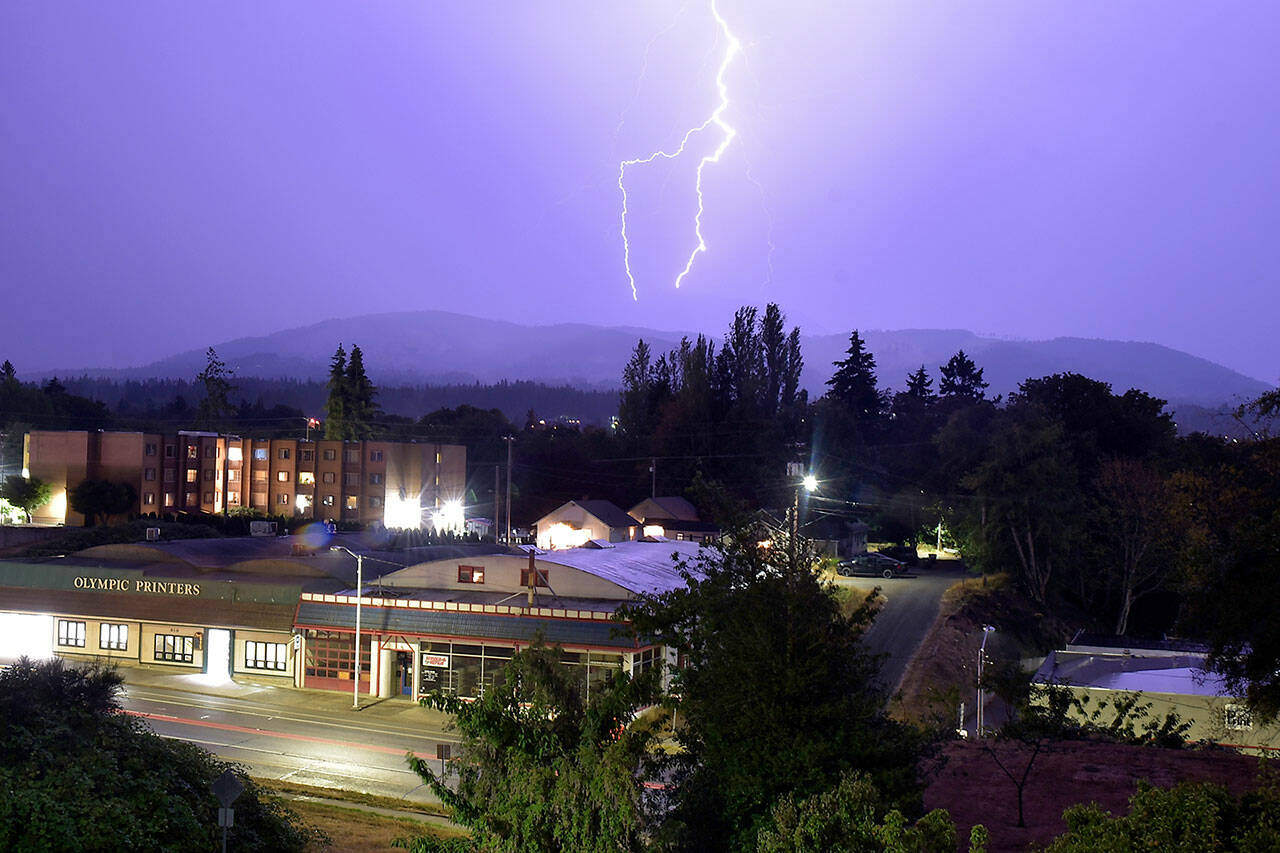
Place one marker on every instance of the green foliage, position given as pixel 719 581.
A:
pixel 774 693
pixel 336 407
pixel 99 500
pixel 541 767
pixel 1058 712
pixel 77 774
pixel 850 818
pixel 1188 817
pixel 26 493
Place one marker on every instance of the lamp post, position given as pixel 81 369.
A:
pixel 987 630
pixel 355 690
pixel 808 483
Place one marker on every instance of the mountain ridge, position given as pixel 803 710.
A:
pixel 439 347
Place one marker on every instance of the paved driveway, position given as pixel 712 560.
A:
pixel 911 606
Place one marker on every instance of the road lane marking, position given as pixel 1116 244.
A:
pixel 227 727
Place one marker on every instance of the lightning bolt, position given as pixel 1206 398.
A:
pixel 716 118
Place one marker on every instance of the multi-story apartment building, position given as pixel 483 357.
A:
pixel 398 484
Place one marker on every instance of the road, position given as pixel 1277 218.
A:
pixel 910 609
pixel 309 742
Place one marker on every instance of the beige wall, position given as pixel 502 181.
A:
pixel 1206 714
pixel 93 639
pixel 241 637
pixel 502 574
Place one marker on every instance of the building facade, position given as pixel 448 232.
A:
pixel 397 484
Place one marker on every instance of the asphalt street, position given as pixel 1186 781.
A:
pixel 306 737
pixel 910 609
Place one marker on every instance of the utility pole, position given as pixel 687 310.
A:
pixel 510 440
pixel 653 476
pixel 497 484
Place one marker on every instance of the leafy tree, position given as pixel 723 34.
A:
pixel 77 774
pixel 1190 817
pixel 216 407
pixel 335 425
pixel 26 493
pixel 962 379
pixel 850 818
pixel 359 407
pixel 775 693
pixel 541 766
pixel 99 500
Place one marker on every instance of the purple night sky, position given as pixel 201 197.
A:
pixel 176 174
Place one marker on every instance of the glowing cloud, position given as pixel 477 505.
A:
pixel 716 118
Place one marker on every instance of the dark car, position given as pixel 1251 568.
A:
pixel 871 565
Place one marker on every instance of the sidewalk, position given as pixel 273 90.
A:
pixel 396 709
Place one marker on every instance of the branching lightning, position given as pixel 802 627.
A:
pixel 716 118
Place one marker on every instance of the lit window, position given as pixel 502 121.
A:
pixel 282 476
pixel 328 500
pixel 260 476
pixel 191 498
pixel 176 648
pixel 470 574
pixel 193 452
pixel 192 475
pixel 284 498
pixel 306 478
pixel 352 502
pixel 233 475
pixel 168 498
pixel 111 636
pixel 265 655
pixel 70 633
pixel 234 454
pixel 260 453
pixel 535 577
pixel 233 497
pixel 149 498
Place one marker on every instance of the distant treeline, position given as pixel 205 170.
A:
pixel 169 399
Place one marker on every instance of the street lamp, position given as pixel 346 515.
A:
pixel 987 630
pixel 355 690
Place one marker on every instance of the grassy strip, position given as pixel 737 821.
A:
pixel 290 789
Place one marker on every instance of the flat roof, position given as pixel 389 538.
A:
pixel 1162 672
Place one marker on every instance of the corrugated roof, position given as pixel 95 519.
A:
pixel 1179 674
pixel 641 567
pixel 524 629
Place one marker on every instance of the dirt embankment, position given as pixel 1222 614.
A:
pixel 973 788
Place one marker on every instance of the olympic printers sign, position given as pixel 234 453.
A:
pixel 136 585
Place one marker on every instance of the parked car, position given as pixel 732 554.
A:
pixel 871 565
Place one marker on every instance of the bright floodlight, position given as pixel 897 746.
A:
pixel 810 483
pixel 450 516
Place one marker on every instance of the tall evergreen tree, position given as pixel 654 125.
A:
pixel 920 386
pixel 853 385
pixel 216 407
pixel 335 410
pixel 962 379
pixel 360 408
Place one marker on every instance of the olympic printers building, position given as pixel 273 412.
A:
pixel 285 611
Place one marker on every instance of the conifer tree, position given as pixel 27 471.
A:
pixel 962 379
pixel 335 409
pixel 360 410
